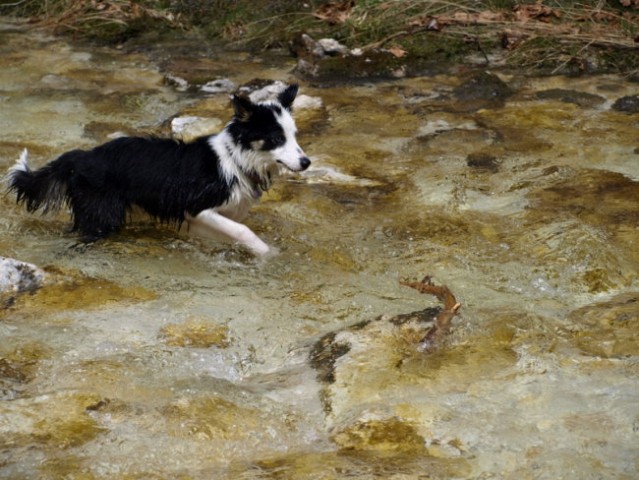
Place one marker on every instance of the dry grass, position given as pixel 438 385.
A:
pixel 108 20
pixel 532 33
pixel 542 34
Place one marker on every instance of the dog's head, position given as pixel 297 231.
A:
pixel 269 128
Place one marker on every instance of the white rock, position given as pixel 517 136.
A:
pixel 189 127
pixel 17 276
pixel 434 127
pixel 180 84
pixel 305 101
pixel 221 85
pixel 333 47
pixel 268 93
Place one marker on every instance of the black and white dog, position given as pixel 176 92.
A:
pixel 209 183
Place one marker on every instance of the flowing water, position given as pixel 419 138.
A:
pixel 155 355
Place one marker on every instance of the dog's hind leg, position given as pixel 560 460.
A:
pixel 209 223
pixel 96 216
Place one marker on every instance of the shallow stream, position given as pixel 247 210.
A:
pixel 153 355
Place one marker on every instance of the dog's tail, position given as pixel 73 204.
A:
pixel 44 189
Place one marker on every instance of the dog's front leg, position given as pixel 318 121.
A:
pixel 209 223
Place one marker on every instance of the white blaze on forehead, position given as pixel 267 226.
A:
pixel 290 154
pixel 285 119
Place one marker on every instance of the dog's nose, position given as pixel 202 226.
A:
pixel 305 162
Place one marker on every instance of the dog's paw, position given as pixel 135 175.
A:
pixel 79 247
pixel 270 253
pixel 255 245
pixel 262 251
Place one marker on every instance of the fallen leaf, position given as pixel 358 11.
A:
pixel 472 18
pixel 335 12
pixel 397 51
pixel 537 11
pixel 490 16
pixel 428 22
pixel 511 39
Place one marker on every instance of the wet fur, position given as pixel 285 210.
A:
pixel 171 180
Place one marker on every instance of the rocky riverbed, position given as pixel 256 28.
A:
pixel 156 355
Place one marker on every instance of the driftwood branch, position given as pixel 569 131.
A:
pixel 444 318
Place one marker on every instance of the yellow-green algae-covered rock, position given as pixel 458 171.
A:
pixel 58 421
pixel 195 333
pixel 389 434
pixel 610 328
pixel 353 463
pixel 584 223
pixel 18 366
pixel 214 418
pixel 73 291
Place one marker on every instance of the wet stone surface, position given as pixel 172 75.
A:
pixel 628 104
pixel 19 277
pixel 583 99
pixel 156 355
pixel 482 90
pixel 608 329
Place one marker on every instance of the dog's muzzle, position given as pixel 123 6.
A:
pixel 299 166
pixel 304 163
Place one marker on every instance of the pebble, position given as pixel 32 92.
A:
pixel 18 277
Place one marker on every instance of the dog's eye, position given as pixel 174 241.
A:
pixel 278 139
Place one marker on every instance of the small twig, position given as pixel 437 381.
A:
pixel 563 64
pixel 474 40
pixel 444 318
pixel 15 4
pixel 379 43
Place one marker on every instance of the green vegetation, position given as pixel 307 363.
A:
pixel 553 34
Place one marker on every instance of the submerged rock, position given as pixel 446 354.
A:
pixel 390 434
pixel 196 333
pixel 608 329
pixel 73 291
pixel 482 90
pixel 386 338
pixel 368 361
pixel 186 71
pixel 583 99
pixel 19 366
pixel 482 161
pixel 356 463
pixel 60 420
pixel 371 352
pixel 628 104
pixel 594 213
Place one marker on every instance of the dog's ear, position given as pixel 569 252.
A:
pixel 287 96
pixel 243 107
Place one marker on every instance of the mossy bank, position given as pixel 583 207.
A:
pixel 546 37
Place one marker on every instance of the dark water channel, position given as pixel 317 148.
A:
pixel 153 355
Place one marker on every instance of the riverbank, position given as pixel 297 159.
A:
pixel 550 37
